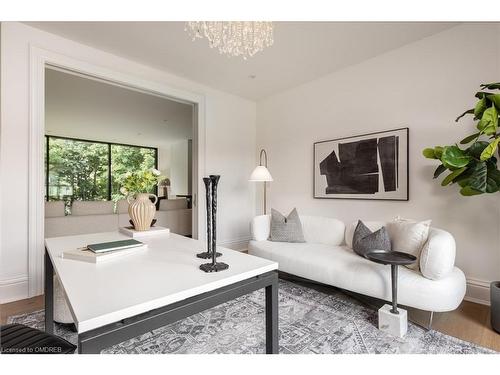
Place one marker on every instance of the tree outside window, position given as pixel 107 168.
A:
pixel 88 171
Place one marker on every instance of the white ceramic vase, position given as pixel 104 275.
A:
pixel 141 210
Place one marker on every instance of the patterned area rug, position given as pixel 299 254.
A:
pixel 309 322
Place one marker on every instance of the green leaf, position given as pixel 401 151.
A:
pixel 454 158
pixel 470 138
pixel 478 179
pixel 439 170
pixel 449 179
pixel 433 153
pixel 495 99
pixel 480 107
pixel 476 149
pixel 470 111
pixel 463 181
pixel 438 151
pixel 490 150
pixel 468 191
pixel 429 153
pixel 482 94
pixel 493 183
pixel 491 86
pixel 489 122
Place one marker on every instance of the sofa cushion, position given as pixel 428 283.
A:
pixel 409 236
pixel 340 267
pixel 325 230
pixel 54 209
pixel 364 240
pixel 80 208
pixel 173 204
pixel 121 206
pixel 73 224
pixel 286 229
pixel 316 229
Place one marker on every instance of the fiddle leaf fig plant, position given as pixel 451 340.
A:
pixel 473 165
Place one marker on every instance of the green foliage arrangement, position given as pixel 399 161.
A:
pixel 140 181
pixel 474 167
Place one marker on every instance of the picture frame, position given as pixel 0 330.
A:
pixel 372 166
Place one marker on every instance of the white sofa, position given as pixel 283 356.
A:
pixel 101 216
pixel 327 257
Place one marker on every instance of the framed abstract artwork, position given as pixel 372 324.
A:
pixel 370 166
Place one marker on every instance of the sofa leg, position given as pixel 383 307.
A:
pixel 429 327
pixel 423 325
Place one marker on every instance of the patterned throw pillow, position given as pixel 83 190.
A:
pixel 364 240
pixel 286 229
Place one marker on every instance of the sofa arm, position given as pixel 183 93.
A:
pixel 438 255
pixel 260 227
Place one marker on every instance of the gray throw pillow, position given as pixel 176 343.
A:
pixel 286 229
pixel 364 240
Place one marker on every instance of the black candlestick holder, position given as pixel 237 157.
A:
pixel 214 266
pixel 208 254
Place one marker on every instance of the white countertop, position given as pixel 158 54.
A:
pixel 167 272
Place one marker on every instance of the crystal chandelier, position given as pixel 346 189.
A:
pixel 241 38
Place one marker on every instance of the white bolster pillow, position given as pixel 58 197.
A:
pixel 260 227
pixel 438 255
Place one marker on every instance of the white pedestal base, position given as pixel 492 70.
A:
pixel 153 231
pixel 394 324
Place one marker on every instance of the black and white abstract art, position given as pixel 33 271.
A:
pixel 371 166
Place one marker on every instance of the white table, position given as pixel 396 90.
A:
pixel 128 296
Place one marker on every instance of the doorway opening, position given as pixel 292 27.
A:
pixel 96 134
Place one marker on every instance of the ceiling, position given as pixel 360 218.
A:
pixel 84 108
pixel 302 51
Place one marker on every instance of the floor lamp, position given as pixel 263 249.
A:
pixel 261 174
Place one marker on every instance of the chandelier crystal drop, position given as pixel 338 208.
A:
pixel 234 38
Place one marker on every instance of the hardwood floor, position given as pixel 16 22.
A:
pixel 470 322
pixel 20 307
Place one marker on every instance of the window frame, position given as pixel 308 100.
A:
pixel 109 144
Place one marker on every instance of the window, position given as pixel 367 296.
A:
pixel 78 169
pixel 127 159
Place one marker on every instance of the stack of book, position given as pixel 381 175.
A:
pixel 96 253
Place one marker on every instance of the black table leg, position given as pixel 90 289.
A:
pixel 272 346
pixel 49 294
pixel 394 280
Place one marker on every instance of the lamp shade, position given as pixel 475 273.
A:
pixel 261 174
pixel 164 183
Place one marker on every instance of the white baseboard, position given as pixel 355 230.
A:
pixel 478 291
pixel 240 244
pixel 13 289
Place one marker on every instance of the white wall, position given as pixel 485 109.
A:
pixel 81 107
pixel 230 131
pixel 423 86
pixel 179 167
pixel 164 160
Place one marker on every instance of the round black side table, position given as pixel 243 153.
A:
pixel 395 259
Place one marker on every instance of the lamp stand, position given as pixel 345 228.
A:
pixel 261 174
pixel 265 198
